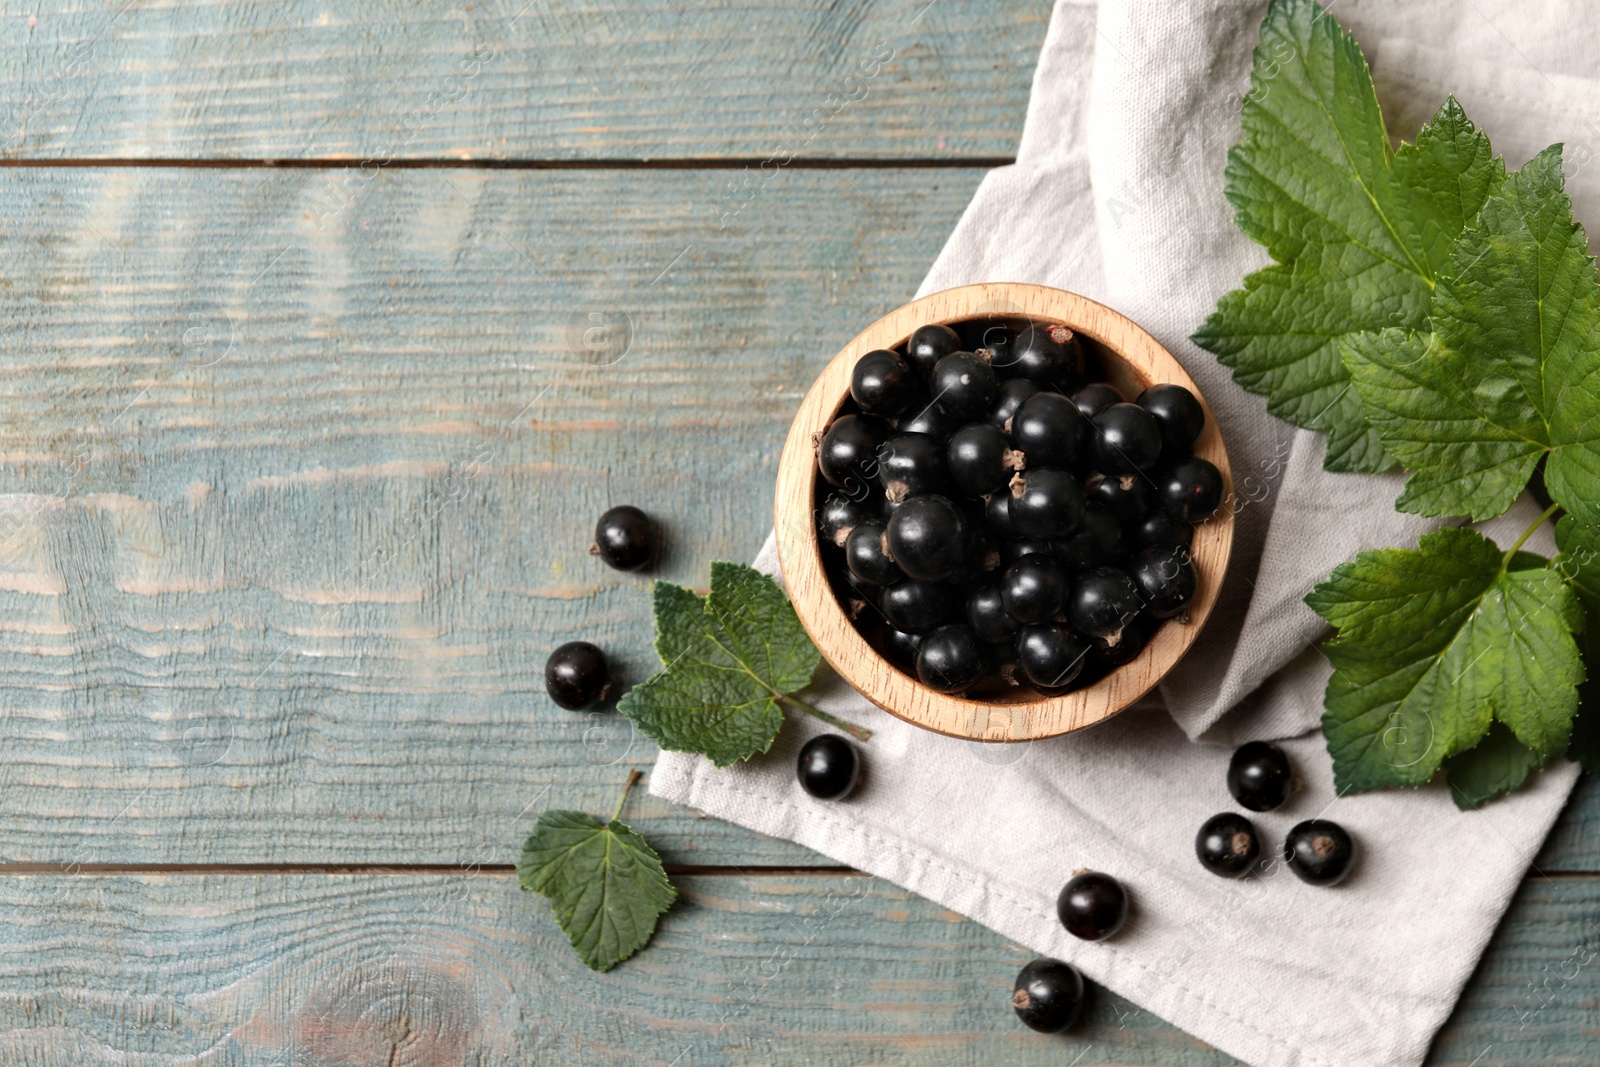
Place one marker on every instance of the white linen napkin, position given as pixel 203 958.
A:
pixel 1117 194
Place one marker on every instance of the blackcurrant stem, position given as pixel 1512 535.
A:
pixel 1505 560
pixel 633 780
pixel 857 732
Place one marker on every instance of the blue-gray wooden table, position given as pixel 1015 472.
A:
pixel 328 330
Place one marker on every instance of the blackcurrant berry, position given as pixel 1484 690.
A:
pixel 984 555
pixel 1095 397
pixel 576 676
pixel 1047 355
pixel 964 385
pixel 1159 528
pixel 1007 397
pixel 1227 845
pixel 882 384
pixel 1048 995
pixel 997 516
pixel 1098 540
pixel 864 555
pixel 928 537
pixel 1046 503
pixel 624 538
pixel 839 515
pixel 1101 602
pixel 910 464
pixel 1319 851
pixel 847 453
pixel 1124 438
pixel 952 659
pixel 856 597
pixel 1178 413
pixel 1051 655
pixel 1033 587
pixel 900 647
pixel 1190 489
pixel 1028 546
pixel 1165 577
pixel 917 607
pixel 1092 906
pixel 987 336
pixel 929 345
pixel 925 417
pixel 980 460
pixel 1046 429
pixel 1260 776
pixel 987 615
pixel 828 767
pixel 1127 495
pixel 1130 642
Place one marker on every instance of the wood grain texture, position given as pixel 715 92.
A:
pixel 517 80
pixel 352 971
pixel 1120 352
pixel 295 498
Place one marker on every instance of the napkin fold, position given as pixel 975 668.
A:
pixel 1116 194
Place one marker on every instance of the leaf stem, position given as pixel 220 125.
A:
pixel 858 732
pixel 1505 561
pixel 633 780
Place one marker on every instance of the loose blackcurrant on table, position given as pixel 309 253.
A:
pixel 828 767
pixel 1319 852
pixel 1260 776
pixel 624 538
pixel 988 521
pixel 1227 845
pixel 576 676
pixel 1048 995
pixel 1092 906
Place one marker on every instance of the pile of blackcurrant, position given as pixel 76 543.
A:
pixel 1261 778
pixel 988 520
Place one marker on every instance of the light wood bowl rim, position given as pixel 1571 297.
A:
pixel 1130 353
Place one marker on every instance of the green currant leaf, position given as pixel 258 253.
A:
pixel 1579 564
pixel 1358 231
pixel 727 659
pixel 1433 645
pixel 1491 768
pixel 1511 369
pixel 605 884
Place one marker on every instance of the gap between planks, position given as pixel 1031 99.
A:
pixel 445 163
pixel 398 869
pixel 686 870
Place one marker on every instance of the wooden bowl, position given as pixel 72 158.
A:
pixel 1125 355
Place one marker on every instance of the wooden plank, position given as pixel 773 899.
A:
pixel 295 491
pixel 464 968
pixel 519 80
